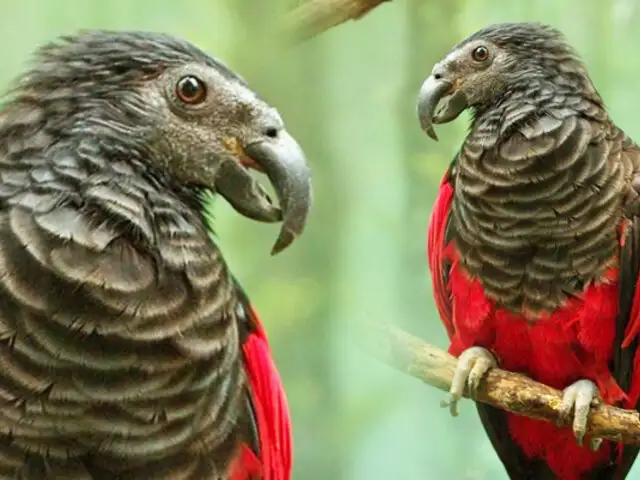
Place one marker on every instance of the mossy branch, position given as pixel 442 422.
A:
pixel 505 390
pixel 313 17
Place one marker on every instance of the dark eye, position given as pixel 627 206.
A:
pixel 191 90
pixel 480 54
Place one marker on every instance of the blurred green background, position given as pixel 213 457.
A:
pixel 348 96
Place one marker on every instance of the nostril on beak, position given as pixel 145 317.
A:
pixel 440 72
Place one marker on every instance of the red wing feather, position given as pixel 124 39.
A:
pixel 436 243
pixel 270 404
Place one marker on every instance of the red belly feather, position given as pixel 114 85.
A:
pixel 573 343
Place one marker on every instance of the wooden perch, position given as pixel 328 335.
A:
pixel 315 16
pixel 505 390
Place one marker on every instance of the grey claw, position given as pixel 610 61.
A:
pixel 577 399
pixel 473 364
pixel 594 444
pixel 451 403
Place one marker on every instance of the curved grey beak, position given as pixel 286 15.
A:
pixel 285 164
pixel 433 90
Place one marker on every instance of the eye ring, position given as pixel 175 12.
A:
pixel 191 90
pixel 480 54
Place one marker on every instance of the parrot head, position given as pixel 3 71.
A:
pixel 496 63
pixel 180 112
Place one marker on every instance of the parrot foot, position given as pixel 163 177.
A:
pixel 472 366
pixel 578 398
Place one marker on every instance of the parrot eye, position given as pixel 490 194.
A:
pixel 191 90
pixel 480 54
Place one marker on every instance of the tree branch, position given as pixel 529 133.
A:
pixel 505 390
pixel 315 16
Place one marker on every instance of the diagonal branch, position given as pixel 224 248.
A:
pixel 315 16
pixel 505 390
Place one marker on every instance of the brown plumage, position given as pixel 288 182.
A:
pixel 121 326
pixel 534 242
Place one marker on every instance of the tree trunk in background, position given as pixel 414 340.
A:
pixel 362 67
pixel 598 23
pixel 431 30
pixel 312 338
pixel 625 70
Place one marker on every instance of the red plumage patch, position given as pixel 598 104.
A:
pixel 435 252
pixel 246 465
pixel 633 328
pixel 272 414
pixel 574 342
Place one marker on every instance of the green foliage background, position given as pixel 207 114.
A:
pixel 348 96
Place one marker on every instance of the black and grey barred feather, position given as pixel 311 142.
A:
pixel 517 220
pixel 543 164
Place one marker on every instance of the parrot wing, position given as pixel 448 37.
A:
pixel 437 241
pixel 269 454
pixel 626 360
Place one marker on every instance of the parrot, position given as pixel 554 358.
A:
pixel 128 349
pixel 534 244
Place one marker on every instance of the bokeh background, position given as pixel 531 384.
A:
pixel 348 96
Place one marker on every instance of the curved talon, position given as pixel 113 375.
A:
pixel 473 364
pixel 577 399
pixel 594 444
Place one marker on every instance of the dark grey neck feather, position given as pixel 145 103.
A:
pixel 538 196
